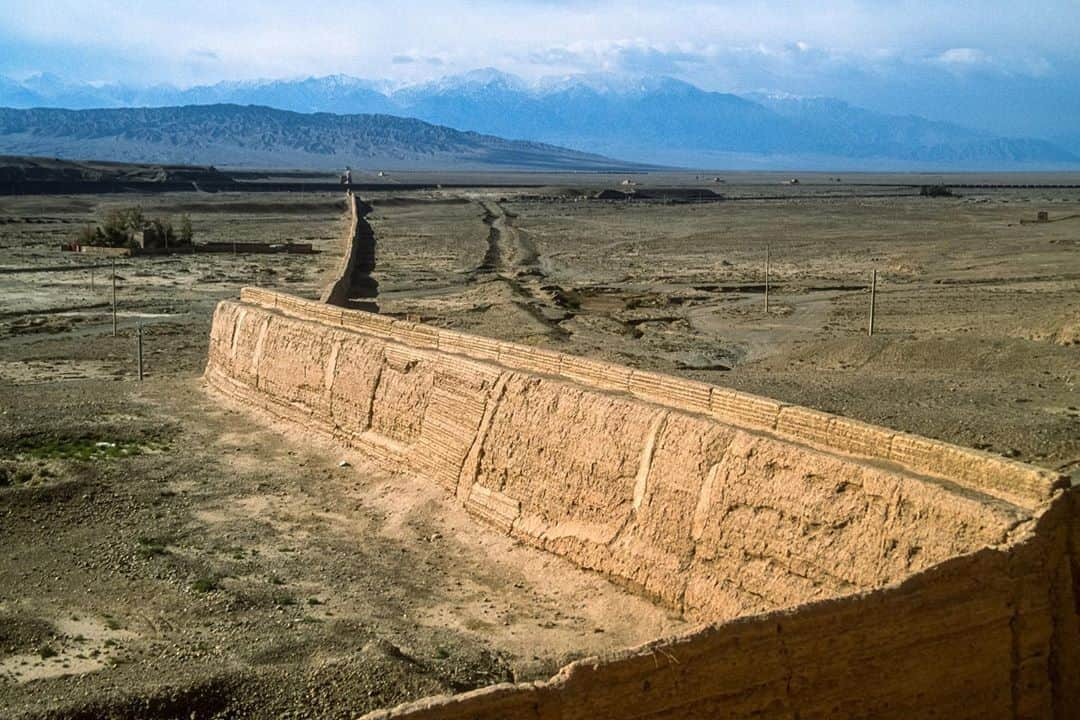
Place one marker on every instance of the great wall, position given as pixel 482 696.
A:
pixel 838 569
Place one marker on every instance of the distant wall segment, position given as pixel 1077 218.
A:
pixel 847 570
pixel 353 284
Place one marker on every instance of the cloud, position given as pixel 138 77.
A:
pixel 415 60
pixel 558 56
pixel 882 52
pixel 963 56
pixel 254 38
pixel 203 55
pixel 649 60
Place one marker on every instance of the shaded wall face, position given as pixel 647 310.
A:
pixel 710 519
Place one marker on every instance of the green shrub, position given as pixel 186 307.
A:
pixel 151 546
pixel 204 585
pixel 119 227
pixel 115 229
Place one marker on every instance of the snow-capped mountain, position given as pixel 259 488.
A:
pixel 644 119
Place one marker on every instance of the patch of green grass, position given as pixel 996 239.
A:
pixel 37 448
pixel 112 624
pixel 204 585
pixel 314 601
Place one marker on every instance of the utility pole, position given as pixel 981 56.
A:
pixel 140 352
pixel 768 254
pixel 873 300
pixel 114 298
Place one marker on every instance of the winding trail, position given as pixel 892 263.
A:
pixel 512 258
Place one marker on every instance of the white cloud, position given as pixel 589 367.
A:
pixel 963 56
pixel 171 40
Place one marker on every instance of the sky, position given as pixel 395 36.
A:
pixel 1008 67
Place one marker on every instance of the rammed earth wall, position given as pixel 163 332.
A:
pixel 844 570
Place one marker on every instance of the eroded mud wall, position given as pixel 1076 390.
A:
pixel 717 503
pixel 354 285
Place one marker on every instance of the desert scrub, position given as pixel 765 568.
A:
pixel 152 546
pixel 204 585
pixel 282 599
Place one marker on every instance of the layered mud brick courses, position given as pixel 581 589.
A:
pixel 843 570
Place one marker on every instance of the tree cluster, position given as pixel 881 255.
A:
pixel 120 225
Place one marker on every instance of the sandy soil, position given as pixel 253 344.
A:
pixel 166 556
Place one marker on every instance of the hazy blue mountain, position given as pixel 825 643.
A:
pixel 836 128
pixel 1069 142
pixel 653 120
pixel 335 94
pixel 640 121
pixel 663 120
pixel 257 136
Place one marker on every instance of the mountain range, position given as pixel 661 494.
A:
pixel 257 136
pixel 655 120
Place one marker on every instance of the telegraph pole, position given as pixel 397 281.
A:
pixel 767 263
pixel 114 298
pixel 873 300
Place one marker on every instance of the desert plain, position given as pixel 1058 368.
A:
pixel 167 555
